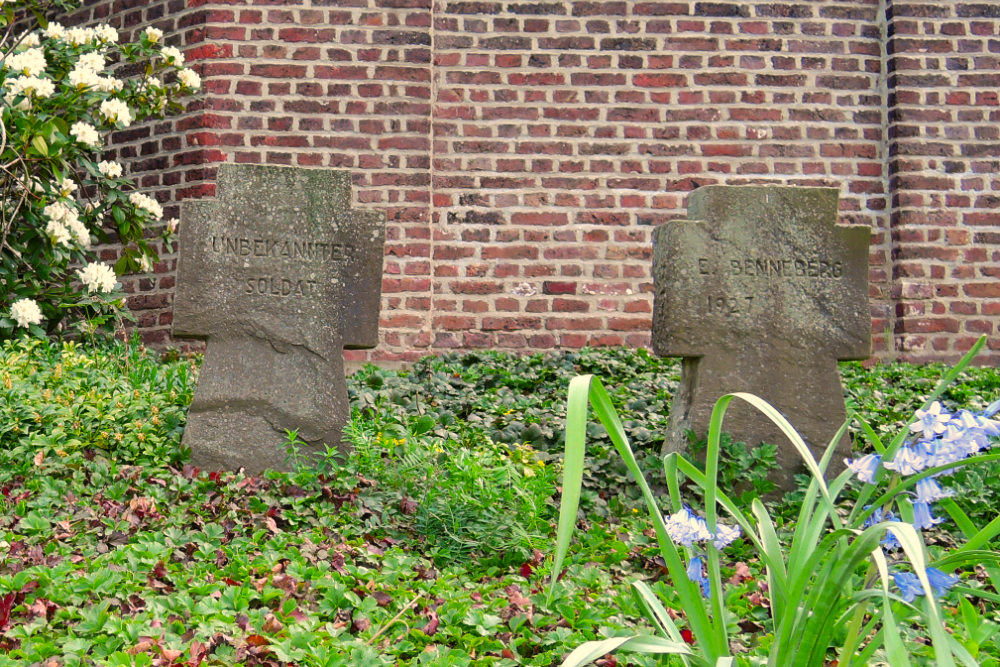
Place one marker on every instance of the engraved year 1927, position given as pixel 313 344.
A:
pixel 728 305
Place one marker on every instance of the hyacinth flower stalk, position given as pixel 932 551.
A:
pixel 824 604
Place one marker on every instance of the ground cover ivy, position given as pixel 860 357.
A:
pixel 428 545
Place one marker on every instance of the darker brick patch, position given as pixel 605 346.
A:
pixel 723 9
pixel 560 288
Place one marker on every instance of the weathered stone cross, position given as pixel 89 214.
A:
pixel 279 274
pixel 761 291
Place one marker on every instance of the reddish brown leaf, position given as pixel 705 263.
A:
pixel 142 646
pixel 337 562
pixel 432 626
pixel 408 506
pixel 741 574
pixel 6 604
pixel 198 653
pixel 257 640
pixel 272 624
pixel 170 654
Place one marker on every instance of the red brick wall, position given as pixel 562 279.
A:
pixel 944 162
pixel 523 150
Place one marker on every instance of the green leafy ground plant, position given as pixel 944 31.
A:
pixel 824 604
pixel 119 552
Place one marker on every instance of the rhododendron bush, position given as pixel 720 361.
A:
pixel 60 99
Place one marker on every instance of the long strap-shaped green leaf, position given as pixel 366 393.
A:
pixel 590 651
pixel 586 390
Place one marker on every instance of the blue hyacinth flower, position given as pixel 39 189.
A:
pixel 908 584
pixel 878 515
pixel 865 467
pixel 940 581
pixel 931 421
pixel 686 528
pixel 922 517
pixel 928 491
pixel 696 574
pixel 908 461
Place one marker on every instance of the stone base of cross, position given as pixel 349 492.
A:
pixel 760 291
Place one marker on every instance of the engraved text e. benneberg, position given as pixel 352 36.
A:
pixel 769 267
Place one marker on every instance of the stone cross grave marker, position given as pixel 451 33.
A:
pixel 279 275
pixel 761 291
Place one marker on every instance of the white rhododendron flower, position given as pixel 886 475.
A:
pixel 145 265
pixel 106 33
pixel 172 225
pixel 64 224
pixel 30 85
pixel 30 40
pixel 154 34
pixel 83 77
pixel 26 312
pixel 146 203
pixel 54 30
pixel 30 62
pixel 80 36
pixel 173 55
pixel 189 78
pixel 116 111
pixel 92 60
pixel 58 232
pixel 59 212
pixel 110 169
pixel 85 133
pixel 98 277
pixel 109 84
pixel 66 187
pixel 80 231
